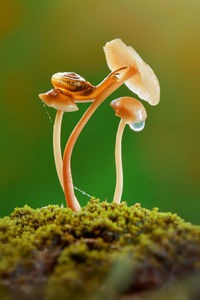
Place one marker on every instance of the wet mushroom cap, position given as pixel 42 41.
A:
pixel 144 82
pixel 129 109
pixel 59 100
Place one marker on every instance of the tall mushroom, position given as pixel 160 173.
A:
pixel 144 83
pixel 133 113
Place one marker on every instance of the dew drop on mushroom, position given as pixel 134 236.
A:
pixel 137 126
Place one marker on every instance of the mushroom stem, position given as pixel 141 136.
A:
pixel 56 146
pixel 71 200
pixel 118 162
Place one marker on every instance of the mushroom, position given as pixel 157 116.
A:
pixel 59 100
pixel 62 102
pixel 133 113
pixel 144 82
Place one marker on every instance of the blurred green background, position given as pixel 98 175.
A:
pixel 161 164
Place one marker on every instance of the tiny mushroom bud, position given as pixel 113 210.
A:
pixel 133 113
pixel 144 82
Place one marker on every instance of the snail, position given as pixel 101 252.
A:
pixel 71 83
pixel 80 89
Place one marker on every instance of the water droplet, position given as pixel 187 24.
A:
pixel 137 126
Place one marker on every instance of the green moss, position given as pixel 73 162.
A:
pixel 61 254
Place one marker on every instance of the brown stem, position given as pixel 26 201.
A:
pixel 72 202
pixel 118 162
pixel 56 146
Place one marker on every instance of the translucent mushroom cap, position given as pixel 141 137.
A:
pixel 131 111
pixel 59 100
pixel 144 82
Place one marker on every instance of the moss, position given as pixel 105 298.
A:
pixel 54 253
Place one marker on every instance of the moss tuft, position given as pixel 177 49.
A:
pixel 54 253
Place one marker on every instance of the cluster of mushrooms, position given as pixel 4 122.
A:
pixel 69 88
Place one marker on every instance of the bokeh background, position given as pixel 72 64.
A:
pixel 161 164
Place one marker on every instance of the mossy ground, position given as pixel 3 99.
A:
pixel 102 251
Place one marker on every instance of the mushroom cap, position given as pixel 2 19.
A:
pixel 59 100
pixel 144 82
pixel 129 109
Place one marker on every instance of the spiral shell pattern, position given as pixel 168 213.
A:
pixel 72 83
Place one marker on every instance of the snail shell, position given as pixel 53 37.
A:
pixel 72 83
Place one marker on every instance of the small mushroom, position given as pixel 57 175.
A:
pixel 133 113
pixel 144 82
pixel 62 102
